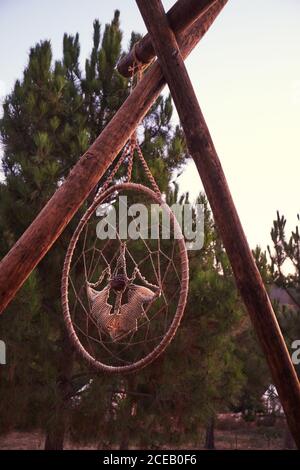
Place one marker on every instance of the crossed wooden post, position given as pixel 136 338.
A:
pixel 171 37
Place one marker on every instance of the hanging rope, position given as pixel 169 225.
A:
pixel 132 144
pixel 116 321
pixel 133 141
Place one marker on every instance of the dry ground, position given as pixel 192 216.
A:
pixel 235 436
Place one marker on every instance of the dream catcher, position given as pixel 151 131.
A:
pixel 125 276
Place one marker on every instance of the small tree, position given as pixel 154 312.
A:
pixel 286 255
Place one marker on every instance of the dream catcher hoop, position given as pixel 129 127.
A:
pixel 123 295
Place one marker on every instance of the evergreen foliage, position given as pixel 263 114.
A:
pixel 285 268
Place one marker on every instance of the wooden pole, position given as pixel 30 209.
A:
pixel 181 16
pixel 49 224
pixel 202 149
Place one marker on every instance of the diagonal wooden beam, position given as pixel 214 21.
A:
pixel 246 274
pixel 181 17
pixel 51 221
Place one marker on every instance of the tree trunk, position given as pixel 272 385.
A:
pixel 288 441
pixel 124 442
pixel 55 435
pixel 128 416
pixel 210 435
pixel 58 421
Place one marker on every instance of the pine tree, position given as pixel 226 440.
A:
pixel 170 401
pixel 256 371
pixel 254 366
pixel 49 119
pixel 41 144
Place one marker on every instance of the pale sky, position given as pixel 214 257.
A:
pixel 246 73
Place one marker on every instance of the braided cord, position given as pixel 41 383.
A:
pixel 132 144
